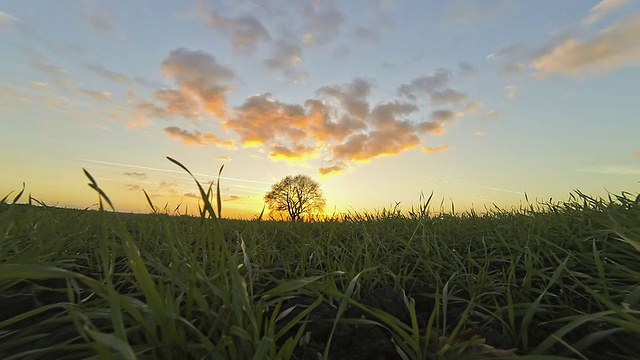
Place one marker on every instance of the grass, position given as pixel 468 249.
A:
pixel 550 280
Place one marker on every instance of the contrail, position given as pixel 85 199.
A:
pixel 170 171
pixel 479 186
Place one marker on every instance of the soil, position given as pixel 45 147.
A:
pixel 371 341
pixel 349 341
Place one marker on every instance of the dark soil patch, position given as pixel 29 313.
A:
pixel 367 341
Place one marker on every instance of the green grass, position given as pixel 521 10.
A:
pixel 556 280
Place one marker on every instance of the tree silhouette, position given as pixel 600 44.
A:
pixel 296 195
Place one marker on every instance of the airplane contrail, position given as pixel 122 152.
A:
pixel 170 171
pixel 478 186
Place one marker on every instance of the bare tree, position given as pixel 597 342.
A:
pixel 297 195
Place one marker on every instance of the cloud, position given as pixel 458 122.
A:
pixel 467 68
pixel 196 137
pixel 343 124
pixel 177 102
pixel 437 119
pixel 447 96
pixel 104 21
pixel 245 31
pixel 133 187
pixel 138 174
pixel 323 22
pixel 512 59
pixel 636 153
pixel 514 50
pixel 473 106
pixel 613 169
pixel 612 48
pixel 199 75
pixel 261 120
pixel 429 150
pixel 39 84
pixel 366 34
pixel 6 19
pixel 96 94
pixel 491 113
pixel 49 69
pixel 191 195
pixel 223 158
pixel 390 135
pixel 425 84
pixel 352 97
pixel 109 74
pixel 327 124
pixel 285 59
pixel 165 184
pixel 479 133
pixel 511 91
pixel 297 152
pixel 434 86
pixel 232 198
pixel 143 113
pixel 337 168
pixel 603 8
pixel 470 12
pixel 364 147
pixel 11 94
pixel 341 52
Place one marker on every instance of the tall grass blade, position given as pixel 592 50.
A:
pixel 101 194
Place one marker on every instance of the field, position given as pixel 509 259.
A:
pixel 548 281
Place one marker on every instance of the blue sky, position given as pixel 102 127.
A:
pixel 380 101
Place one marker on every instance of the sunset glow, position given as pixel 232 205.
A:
pixel 379 101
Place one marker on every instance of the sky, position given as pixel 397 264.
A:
pixel 379 101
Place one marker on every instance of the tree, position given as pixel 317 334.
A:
pixel 296 195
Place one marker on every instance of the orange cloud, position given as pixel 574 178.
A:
pixel 198 74
pixel 196 137
pixel 612 48
pixel 261 120
pixel 137 122
pixel 177 102
pixel 298 152
pixel 636 153
pixel 390 135
pixel 142 114
pixel 429 150
pixel 322 124
pixel 338 168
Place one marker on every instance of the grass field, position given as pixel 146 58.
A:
pixel 544 282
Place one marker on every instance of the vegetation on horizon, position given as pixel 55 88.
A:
pixel 552 281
